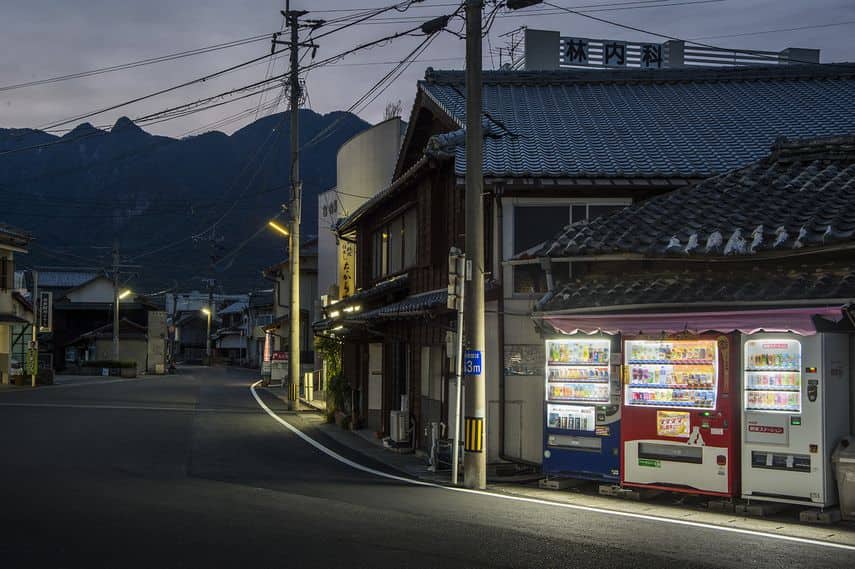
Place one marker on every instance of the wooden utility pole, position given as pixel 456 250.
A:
pixel 116 300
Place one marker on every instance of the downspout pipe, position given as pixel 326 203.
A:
pixel 500 309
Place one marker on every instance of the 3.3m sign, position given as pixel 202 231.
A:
pixel 472 362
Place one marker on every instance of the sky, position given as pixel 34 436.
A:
pixel 48 38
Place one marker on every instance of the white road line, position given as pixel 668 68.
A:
pixel 75 384
pixel 680 522
pixel 121 407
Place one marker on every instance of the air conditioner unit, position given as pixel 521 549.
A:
pixel 399 426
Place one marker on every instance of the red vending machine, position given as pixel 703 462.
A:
pixel 680 425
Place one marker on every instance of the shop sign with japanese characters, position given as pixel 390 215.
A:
pixel 609 53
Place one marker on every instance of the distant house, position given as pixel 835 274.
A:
pixel 97 344
pixel 259 313
pixel 83 303
pixel 15 312
pixel 229 340
pixel 188 325
pixel 279 329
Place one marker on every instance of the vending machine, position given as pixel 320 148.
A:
pixel 679 428
pixel 795 410
pixel 582 408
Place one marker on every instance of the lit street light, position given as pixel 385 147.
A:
pixel 124 294
pixel 278 228
pixel 207 312
pixel 294 301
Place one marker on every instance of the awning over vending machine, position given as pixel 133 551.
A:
pixel 798 320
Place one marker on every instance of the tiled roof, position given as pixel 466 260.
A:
pixel 127 329
pixel 17 237
pixel 65 279
pixel 816 283
pixel 233 308
pixel 414 305
pixel 677 123
pixel 801 196
pixel 394 284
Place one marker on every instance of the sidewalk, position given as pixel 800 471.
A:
pixel 72 380
pixel 585 494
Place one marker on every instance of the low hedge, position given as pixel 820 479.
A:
pixel 109 364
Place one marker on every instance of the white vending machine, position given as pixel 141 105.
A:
pixel 795 409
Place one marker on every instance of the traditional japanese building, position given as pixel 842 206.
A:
pixel 765 247
pixel 16 314
pixel 560 147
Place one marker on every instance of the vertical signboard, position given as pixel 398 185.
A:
pixel 346 268
pixel 45 311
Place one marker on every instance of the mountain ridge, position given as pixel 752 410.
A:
pixel 198 198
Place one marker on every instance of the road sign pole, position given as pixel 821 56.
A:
pixel 460 262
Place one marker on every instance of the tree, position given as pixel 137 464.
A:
pixel 393 110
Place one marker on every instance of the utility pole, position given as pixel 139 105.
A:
pixel 292 21
pixel 293 17
pixel 475 457
pixel 211 283
pixel 116 300
pixel 34 345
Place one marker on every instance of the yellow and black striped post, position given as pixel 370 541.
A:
pixel 474 428
pixel 293 391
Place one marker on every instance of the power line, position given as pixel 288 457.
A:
pixel 756 53
pixel 137 63
pixel 311 66
pixel 777 30
pixel 161 91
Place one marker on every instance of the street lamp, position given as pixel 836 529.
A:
pixel 124 294
pixel 294 302
pixel 207 312
pixel 278 228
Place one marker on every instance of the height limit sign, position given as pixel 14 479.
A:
pixel 472 362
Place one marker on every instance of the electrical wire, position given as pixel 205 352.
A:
pixel 756 53
pixel 777 30
pixel 161 91
pixel 137 63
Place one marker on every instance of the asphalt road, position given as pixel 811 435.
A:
pixel 188 471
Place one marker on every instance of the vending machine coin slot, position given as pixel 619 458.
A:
pixel 796 421
pixel 813 389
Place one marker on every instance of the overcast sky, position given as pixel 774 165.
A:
pixel 45 38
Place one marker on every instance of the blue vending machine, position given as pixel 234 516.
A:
pixel 582 408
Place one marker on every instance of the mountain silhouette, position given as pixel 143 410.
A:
pixel 183 209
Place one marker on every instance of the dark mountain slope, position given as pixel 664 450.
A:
pixel 200 197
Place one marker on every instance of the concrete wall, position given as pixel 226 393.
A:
pixel 365 163
pixel 99 290
pixel 328 213
pixel 364 166
pixel 156 339
pixel 129 350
